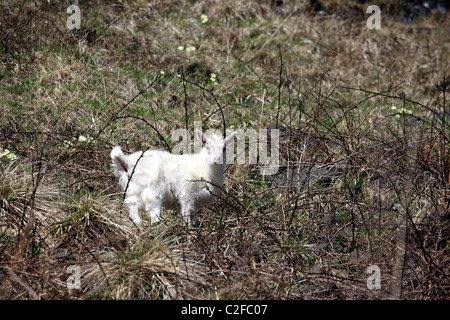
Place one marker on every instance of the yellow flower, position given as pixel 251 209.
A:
pixel 189 49
pixel 180 48
pixel 11 156
pixel 84 139
pixel 404 110
pixel 204 18
pixel 8 154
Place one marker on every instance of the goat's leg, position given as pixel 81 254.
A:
pixel 187 211
pixel 134 212
pixel 153 203
pixel 154 213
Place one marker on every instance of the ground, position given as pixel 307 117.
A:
pixel 364 150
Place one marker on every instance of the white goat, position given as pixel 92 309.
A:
pixel 162 180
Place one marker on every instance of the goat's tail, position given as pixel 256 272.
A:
pixel 120 165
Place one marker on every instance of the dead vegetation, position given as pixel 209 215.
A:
pixel 364 154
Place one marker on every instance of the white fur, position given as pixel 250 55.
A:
pixel 164 180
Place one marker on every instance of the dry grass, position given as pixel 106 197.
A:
pixel 307 233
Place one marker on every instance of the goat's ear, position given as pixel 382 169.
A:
pixel 230 138
pixel 201 136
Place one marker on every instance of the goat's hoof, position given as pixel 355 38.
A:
pixel 155 219
pixel 136 222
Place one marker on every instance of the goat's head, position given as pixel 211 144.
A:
pixel 215 146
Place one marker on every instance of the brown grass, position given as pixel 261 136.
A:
pixel 360 182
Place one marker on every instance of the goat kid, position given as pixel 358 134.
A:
pixel 158 179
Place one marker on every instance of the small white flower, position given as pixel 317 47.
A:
pixel 82 138
pixel 11 156
pixel 8 154
pixel 5 153
pixel 162 72
pixel 67 143
pixel 180 48
pixel 189 49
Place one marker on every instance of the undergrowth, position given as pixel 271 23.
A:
pixel 364 151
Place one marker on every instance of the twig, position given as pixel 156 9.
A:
pixel 402 222
pixel 14 277
pixel 279 85
pixel 185 100
pixel 215 99
pixel 115 117
pixel 150 125
pixel 383 94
